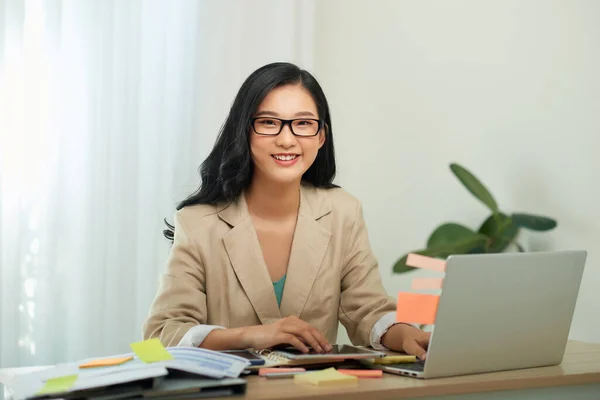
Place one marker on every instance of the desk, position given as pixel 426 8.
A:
pixel 577 377
pixel 579 372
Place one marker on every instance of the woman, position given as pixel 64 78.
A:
pixel 269 251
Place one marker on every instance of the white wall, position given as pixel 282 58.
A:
pixel 510 89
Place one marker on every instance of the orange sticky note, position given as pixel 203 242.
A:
pixel 362 373
pixel 419 261
pixel 427 283
pixel 106 362
pixel 416 308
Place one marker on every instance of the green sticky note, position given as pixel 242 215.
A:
pixel 151 350
pixel 58 385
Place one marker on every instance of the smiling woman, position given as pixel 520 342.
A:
pixel 269 251
pixel 291 143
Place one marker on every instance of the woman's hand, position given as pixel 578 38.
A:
pixel 407 339
pixel 288 330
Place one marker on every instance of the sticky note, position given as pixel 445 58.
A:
pixel 329 376
pixel 58 385
pixel 106 362
pixel 151 350
pixel 266 370
pixel 362 373
pixel 427 283
pixel 395 359
pixel 419 261
pixel 416 308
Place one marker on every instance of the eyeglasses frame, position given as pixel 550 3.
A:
pixel 285 122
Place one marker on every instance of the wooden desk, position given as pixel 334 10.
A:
pixel 577 377
pixel 581 366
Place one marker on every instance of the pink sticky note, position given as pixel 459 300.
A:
pixel 427 283
pixel 415 308
pixel 419 261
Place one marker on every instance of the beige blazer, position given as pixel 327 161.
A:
pixel 216 273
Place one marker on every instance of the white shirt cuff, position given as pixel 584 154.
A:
pixel 381 327
pixel 196 335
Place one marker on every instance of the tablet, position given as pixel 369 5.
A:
pixel 248 355
pixel 337 351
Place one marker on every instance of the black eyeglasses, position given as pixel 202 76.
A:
pixel 271 126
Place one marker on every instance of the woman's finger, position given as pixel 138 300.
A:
pixel 413 348
pixel 423 340
pixel 310 335
pixel 321 339
pixel 303 334
pixel 294 341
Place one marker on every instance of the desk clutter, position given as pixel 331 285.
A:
pixel 152 371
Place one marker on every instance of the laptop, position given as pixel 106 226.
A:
pixel 501 312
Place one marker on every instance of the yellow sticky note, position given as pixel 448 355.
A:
pixel 151 350
pixel 329 376
pixel 106 362
pixel 58 385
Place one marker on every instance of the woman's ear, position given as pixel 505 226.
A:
pixel 323 135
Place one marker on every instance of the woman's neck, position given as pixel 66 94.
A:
pixel 270 200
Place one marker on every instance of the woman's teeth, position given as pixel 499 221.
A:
pixel 285 158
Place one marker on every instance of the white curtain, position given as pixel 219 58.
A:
pixel 106 110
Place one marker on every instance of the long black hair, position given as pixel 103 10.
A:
pixel 228 169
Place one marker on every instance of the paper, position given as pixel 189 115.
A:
pixel 58 385
pixel 191 360
pixel 106 362
pixel 362 373
pixel 427 283
pixel 419 261
pixel 415 308
pixel 151 350
pixel 266 370
pixel 329 376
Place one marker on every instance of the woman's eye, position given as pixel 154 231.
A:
pixel 267 122
pixel 305 123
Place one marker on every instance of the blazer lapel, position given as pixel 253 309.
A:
pixel 310 243
pixel 243 249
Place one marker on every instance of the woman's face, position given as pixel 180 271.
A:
pixel 285 157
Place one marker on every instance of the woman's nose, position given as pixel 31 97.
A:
pixel 286 138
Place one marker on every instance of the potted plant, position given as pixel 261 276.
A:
pixel 495 234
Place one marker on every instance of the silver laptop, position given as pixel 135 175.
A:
pixel 500 312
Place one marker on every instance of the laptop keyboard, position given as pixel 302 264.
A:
pixel 417 366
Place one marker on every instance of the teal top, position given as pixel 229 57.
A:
pixel 278 286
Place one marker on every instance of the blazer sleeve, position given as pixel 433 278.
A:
pixel 180 302
pixel 363 298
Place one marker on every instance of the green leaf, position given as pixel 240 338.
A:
pixel 449 233
pixel 461 246
pixel 521 249
pixel 501 229
pixel 534 222
pixel 474 186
